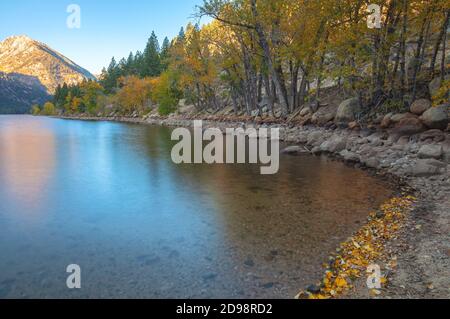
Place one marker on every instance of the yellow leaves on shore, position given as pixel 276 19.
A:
pixel 365 248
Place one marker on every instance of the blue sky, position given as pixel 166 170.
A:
pixel 108 27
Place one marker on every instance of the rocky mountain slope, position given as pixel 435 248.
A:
pixel 18 92
pixel 31 71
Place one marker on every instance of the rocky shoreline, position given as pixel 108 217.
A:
pixel 420 160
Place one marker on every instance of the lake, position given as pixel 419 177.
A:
pixel 107 196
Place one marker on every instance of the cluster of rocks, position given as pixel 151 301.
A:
pixel 420 155
pixel 422 116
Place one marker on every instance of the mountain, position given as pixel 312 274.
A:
pixel 18 92
pixel 30 71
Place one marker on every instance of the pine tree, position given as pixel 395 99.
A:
pixel 152 60
pixel 109 81
pixel 130 64
pixel 181 34
pixel 165 54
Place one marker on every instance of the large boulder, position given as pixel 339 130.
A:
pixel 420 106
pixel 436 117
pixel 408 126
pixel 430 151
pixel 350 157
pixel 334 145
pixel 324 115
pixel 315 138
pixel 348 111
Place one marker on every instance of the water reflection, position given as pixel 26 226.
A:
pixel 27 161
pixel 110 199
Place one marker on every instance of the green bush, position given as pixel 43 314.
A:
pixel 49 109
pixel 167 105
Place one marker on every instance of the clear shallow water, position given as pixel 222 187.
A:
pixel 106 196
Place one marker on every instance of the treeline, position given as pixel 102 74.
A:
pixel 150 63
pixel 273 56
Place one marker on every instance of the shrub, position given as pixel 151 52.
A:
pixel 442 96
pixel 49 109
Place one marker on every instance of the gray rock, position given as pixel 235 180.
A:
pixel 315 138
pixel 334 145
pixel 305 111
pixel 371 162
pixel 294 150
pixel 427 168
pixel 316 150
pixel 446 151
pixel 404 140
pixel 420 106
pixel 436 117
pixel 350 157
pixel 348 111
pixel 447 157
pixel 399 117
pixel 408 126
pixel 324 115
pixel 433 135
pixel 313 289
pixel 430 151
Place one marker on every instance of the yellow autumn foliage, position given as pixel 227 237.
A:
pixel 364 248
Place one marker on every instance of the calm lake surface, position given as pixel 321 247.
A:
pixel 106 196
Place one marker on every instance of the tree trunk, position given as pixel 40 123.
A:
pixel 443 66
pixel 420 52
pixel 294 69
pixel 439 40
pixel 270 97
pixel 403 75
pixel 268 58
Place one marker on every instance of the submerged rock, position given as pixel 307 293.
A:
pixel 294 150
